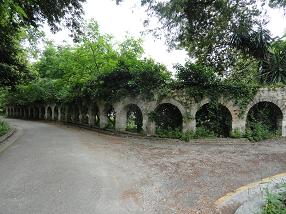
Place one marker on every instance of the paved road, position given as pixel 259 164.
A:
pixel 54 168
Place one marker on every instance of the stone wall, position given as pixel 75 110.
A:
pixel 86 113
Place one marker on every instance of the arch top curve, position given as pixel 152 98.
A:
pixel 229 105
pixel 173 102
pixel 272 100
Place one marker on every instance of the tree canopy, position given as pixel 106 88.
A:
pixel 216 33
pixel 94 68
pixel 20 18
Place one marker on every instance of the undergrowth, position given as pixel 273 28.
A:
pixel 4 127
pixel 275 203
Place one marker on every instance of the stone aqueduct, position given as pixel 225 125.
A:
pixel 87 112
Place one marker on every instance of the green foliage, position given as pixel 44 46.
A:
pixel 95 68
pixel 19 22
pixel 275 203
pixel 259 132
pixel 187 136
pixel 215 118
pixel 200 82
pixel 274 66
pixel 236 133
pixel 4 127
pixel 196 75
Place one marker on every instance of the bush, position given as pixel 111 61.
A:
pixel 178 134
pixel 258 132
pixel 236 134
pixel 275 203
pixel 4 128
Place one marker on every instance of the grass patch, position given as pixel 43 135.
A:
pixel 260 131
pixel 4 128
pixel 275 203
pixel 178 134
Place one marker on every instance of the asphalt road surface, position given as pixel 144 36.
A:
pixel 54 168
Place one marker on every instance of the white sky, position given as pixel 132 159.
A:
pixel 128 17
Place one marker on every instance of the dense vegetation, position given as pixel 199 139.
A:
pixel 275 203
pixel 4 128
pixel 233 55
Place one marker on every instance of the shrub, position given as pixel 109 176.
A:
pixel 236 134
pixel 187 136
pixel 258 132
pixel 275 203
pixel 4 127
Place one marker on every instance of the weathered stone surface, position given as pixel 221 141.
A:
pixel 187 106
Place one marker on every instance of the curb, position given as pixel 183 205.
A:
pixel 7 135
pixel 125 134
pixel 5 140
pixel 236 199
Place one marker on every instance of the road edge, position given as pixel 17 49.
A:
pixel 6 140
pixel 246 192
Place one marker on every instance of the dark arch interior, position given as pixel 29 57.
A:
pixel 134 118
pixel 32 116
pixel 42 112
pixel 84 114
pixel 76 114
pixel 265 114
pixel 49 113
pixel 96 115
pixel 56 113
pixel 214 118
pixel 36 113
pixel 111 116
pixel 168 117
pixel 63 113
pixel 69 113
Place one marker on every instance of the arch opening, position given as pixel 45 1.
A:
pixel 36 113
pixel 84 114
pixel 69 114
pixel 49 113
pixel 56 113
pixel 96 115
pixel 42 112
pixel 111 116
pixel 214 119
pixel 63 113
pixel 31 113
pixel 134 116
pixel 265 118
pixel 76 114
pixel 168 117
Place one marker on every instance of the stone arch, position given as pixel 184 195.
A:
pixel 95 112
pixel 63 112
pixel 49 113
pixel 42 112
pixel 168 116
pixel 69 114
pixel 8 112
pixel 110 114
pixel 56 113
pixel 134 118
pixel 227 104
pixel 36 113
pixel 85 114
pixel 216 119
pixel 273 100
pixel 274 121
pixel 151 125
pixel 129 117
pixel 31 113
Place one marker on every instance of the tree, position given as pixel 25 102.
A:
pixel 17 18
pixel 215 32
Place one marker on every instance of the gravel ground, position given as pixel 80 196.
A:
pixel 55 168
